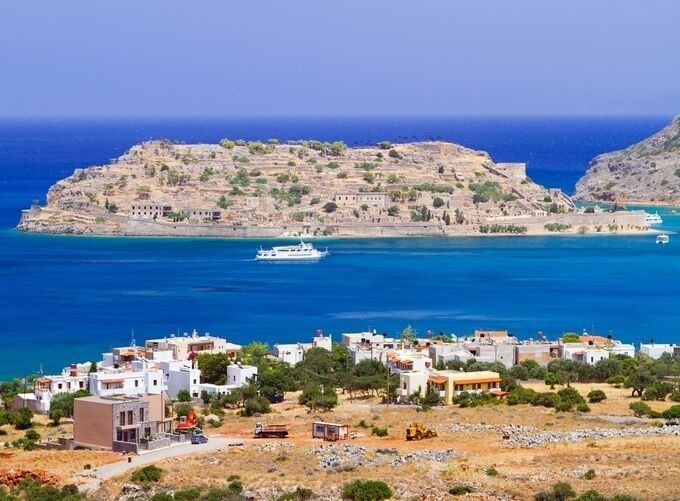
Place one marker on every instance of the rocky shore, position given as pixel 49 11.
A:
pixel 646 173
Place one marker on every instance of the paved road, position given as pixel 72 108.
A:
pixel 214 443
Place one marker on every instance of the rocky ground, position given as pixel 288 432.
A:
pixel 646 172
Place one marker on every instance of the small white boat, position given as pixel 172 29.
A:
pixel 301 252
pixel 662 239
pixel 653 219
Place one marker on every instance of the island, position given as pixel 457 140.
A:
pixel 645 173
pixel 311 188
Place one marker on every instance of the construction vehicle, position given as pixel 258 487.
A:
pixel 187 423
pixel 417 431
pixel 264 430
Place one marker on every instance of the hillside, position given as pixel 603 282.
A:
pixel 646 172
pixel 306 188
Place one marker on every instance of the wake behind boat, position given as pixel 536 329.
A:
pixel 300 252
pixel 653 219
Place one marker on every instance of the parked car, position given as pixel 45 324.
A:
pixel 199 439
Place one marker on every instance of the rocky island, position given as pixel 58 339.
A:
pixel 310 188
pixel 647 172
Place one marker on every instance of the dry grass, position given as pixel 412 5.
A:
pixel 644 467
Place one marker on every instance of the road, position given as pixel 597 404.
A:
pixel 214 444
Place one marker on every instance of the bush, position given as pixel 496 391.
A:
pixel 299 494
pixel 184 396
pixel 151 473
pixel 379 432
pixel 675 396
pixel 366 490
pixel 188 494
pixel 256 405
pixel 591 495
pixel 595 396
pixel 491 472
pixel 672 413
pixel 546 400
pixel 617 380
pixel 640 409
pixel 32 435
pixel 23 419
pixel 583 407
pixel 162 496
pixel 459 490
pixel 589 475
pixel 330 207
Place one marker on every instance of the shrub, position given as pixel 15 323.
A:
pixel 330 207
pixel 640 409
pixel 583 407
pixel 546 399
pixel 437 202
pixel 675 396
pixel 459 490
pixel 617 380
pixel 151 473
pixel 184 396
pixel 299 494
pixel 379 432
pixel 491 471
pixel 23 419
pixel 366 490
pixel 595 396
pixel 32 435
pixel 256 405
pixel 394 154
pixel 672 413
pixel 589 475
pixel 591 495
pixel 188 494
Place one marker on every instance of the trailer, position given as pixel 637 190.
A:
pixel 330 431
pixel 264 430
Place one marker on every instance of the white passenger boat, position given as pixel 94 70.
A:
pixel 653 219
pixel 301 252
pixel 662 239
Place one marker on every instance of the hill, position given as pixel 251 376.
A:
pixel 646 172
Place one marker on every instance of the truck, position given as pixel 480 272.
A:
pixel 264 430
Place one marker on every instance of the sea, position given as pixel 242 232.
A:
pixel 67 299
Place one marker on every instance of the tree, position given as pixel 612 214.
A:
pixel 393 210
pixel 256 405
pixel 330 207
pixel 672 413
pixel 571 337
pixel 408 335
pixel 55 416
pixel 553 379
pixel 255 353
pixel 22 420
pixel 318 397
pixel 184 396
pixel 213 367
pixel 638 382
pixel 437 202
pixel 275 381
pixel 316 367
pixel 93 367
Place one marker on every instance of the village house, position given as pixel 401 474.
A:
pixel 184 346
pixel 238 375
pixel 655 350
pixel 591 349
pixel 121 423
pixel 451 383
pixel 46 387
pixel 293 353
pixel 408 360
pixel 181 375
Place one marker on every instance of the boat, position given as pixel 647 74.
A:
pixel 301 252
pixel 662 239
pixel 652 219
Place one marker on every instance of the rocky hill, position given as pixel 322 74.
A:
pixel 646 172
pixel 304 188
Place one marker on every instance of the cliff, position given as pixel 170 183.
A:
pixel 305 188
pixel 646 172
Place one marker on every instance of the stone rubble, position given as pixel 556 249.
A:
pixel 551 437
pixel 348 456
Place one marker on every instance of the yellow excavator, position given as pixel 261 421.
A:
pixel 417 431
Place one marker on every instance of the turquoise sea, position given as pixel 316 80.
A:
pixel 66 299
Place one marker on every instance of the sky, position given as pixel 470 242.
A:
pixel 82 58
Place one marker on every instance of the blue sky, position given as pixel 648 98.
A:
pixel 317 58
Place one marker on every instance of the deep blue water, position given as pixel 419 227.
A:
pixel 65 299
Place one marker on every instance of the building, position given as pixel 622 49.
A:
pixel 541 353
pixel 293 353
pixel 354 200
pixel 330 431
pixel 408 360
pixel 121 423
pixel 46 387
pixel 410 383
pixel 150 210
pixel 240 375
pixel 584 353
pixel 137 377
pixel 181 375
pixel 451 383
pixel 182 347
pixel 655 351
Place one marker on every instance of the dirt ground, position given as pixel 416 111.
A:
pixel 645 467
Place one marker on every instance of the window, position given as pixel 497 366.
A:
pixel 141 415
pixel 136 383
pixel 155 382
pixel 131 418
pixel 122 418
pixel 194 381
pixel 59 385
pixel 81 384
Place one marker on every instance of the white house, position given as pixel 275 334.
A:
pixel 181 375
pixel 411 382
pixel 290 353
pixel 46 387
pixel 584 353
pixel 655 351
pixel 240 375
